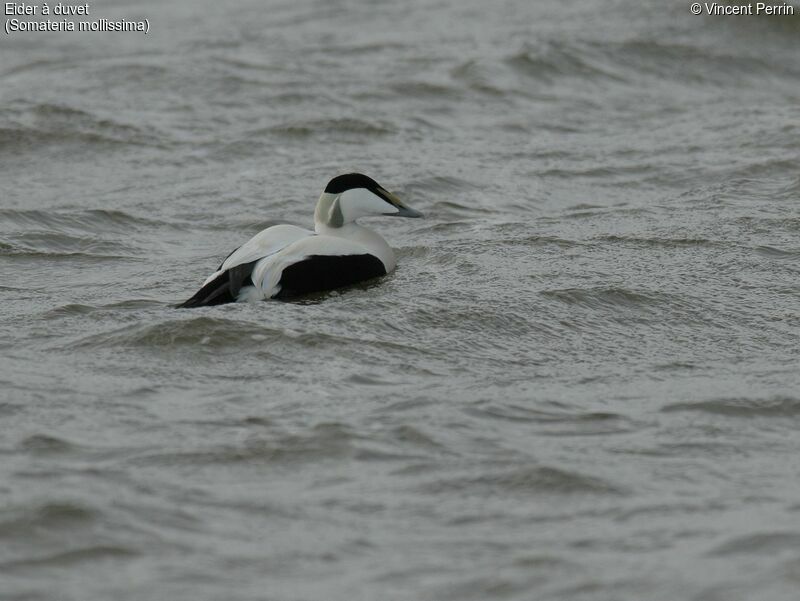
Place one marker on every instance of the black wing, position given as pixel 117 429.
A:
pixel 222 289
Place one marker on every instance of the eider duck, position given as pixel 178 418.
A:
pixel 283 261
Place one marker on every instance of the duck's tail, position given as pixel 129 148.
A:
pixel 222 289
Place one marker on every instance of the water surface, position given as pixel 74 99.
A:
pixel 580 383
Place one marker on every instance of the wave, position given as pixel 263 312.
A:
pixel 423 90
pixel 554 59
pixel 58 515
pixel 56 243
pixel 762 544
pixel 741 407
pixel 206 333
pixel 659 242
pixel 323 441
pixel 518 413
pixel 528 480
pixel 348 128
pixel 97 220
pixel 70 310
pixel 690 63
pixel 477 75
pixel 777 253
pixel 46 444
pixel 613 297
pixel 64 559
pixel 27 126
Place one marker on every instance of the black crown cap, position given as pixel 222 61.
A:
pixel 348 181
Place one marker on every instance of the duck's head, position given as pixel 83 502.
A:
pixel 353 195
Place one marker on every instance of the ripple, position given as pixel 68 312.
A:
pixel 544 241
pixel 57 243
pixel 530 480
pixel 552 60
pixel 248 64
pixel 69 310
pixel 557 420
pixel 777 253
pixel 48 517
pixel 341 128
pixel 36 65
pixel 441 184
pixel 83 257
pixel 656 242
pixel 409 435
pixel 741 407
pixel 7 409
pixel 604 297
pixel 46 124
pixel 760 543
pixel 453 209
pixel 684 62
pixel 46 444
pixel 323 441
pixel 582 372
pixel 91 220
pixel 75 309
pixel 360 49
pixel 92 553
pixel 424 90
pixel 478 77
pixel 209 333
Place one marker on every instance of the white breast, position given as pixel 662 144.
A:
pixel 365 237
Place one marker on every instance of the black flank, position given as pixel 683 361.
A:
pixel 323 272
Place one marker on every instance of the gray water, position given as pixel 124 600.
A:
pixel 581 383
